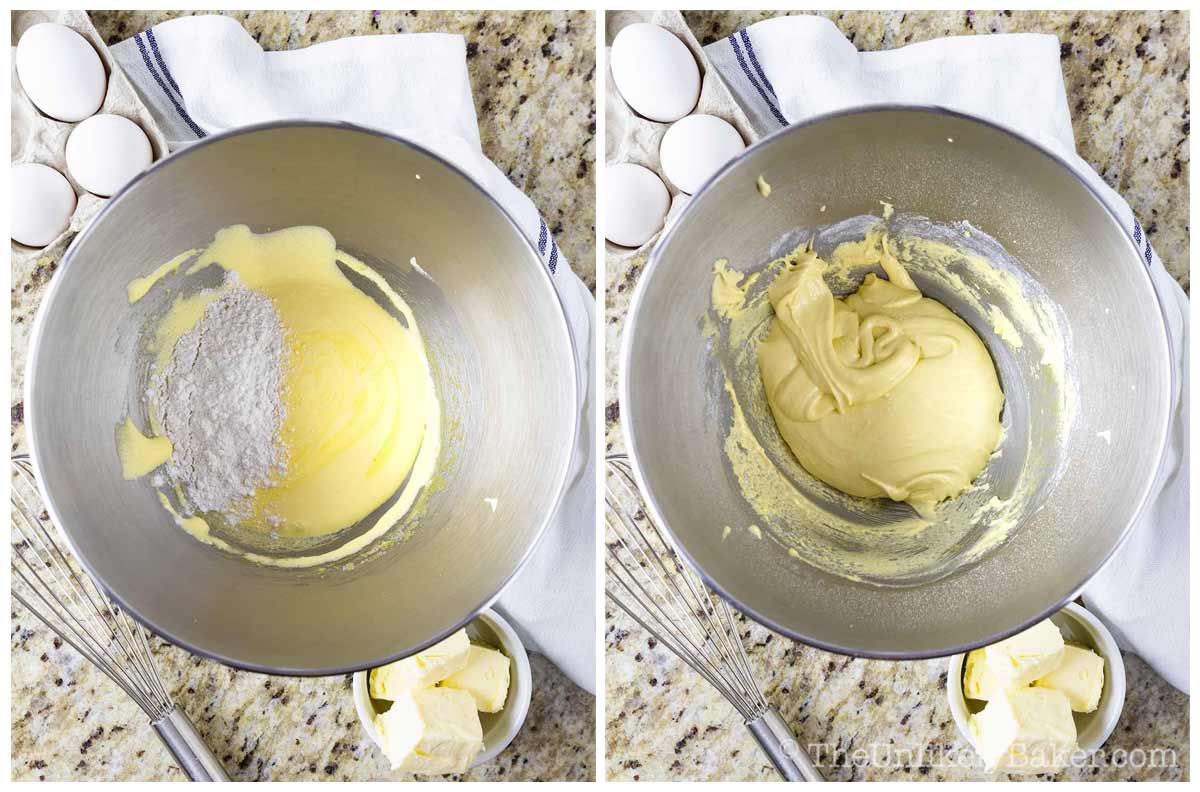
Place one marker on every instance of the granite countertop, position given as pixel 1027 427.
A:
pixel 1127 81
pixel 532 75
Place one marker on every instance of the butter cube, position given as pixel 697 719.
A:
pixel 1080 676
pixel 431 731
pixel 1025 730
pixel 485 678
pixel 979 682
pixel 1030 654
pixel 424 669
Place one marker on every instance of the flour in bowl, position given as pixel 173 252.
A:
pixel 221 403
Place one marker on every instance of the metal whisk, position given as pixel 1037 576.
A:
pixel 662 594
pixel 46 581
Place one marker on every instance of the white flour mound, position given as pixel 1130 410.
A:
pixel 221 403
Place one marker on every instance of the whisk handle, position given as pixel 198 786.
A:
pixel 176 731
pixel 781 747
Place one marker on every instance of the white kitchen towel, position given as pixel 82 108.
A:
pixel 787 69
pixel 205 74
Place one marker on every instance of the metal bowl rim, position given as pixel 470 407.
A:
pixel 627 409
pixel 31 434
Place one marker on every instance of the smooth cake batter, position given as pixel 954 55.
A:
pixel 362 418
pixel 874 538
pixel 883 394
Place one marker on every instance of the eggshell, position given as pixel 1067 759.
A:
pixel 695 148
pixel 41 202
pixel 654 72
pixel 635 204
pixel 105 152
pixel 60 72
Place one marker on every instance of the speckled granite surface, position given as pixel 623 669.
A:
pixel 1129 97
pixel 532 75
pixel 70 723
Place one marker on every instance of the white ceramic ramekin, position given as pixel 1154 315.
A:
pixel 499 728
pixel 1077 626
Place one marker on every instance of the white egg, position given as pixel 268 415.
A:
pixel 655 72
pixel 105 152
pixel 60 72
pixel 635 204
pixel 695 148
pixel 42 202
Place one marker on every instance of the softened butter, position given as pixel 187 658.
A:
pixel 432 731
pixel 485 678
pixel 979 682
pixel 1026 656
pixel 1080 676
pixel 422 670
pixel 1025 730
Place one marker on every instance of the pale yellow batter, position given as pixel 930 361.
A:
pixel 871 539
pixel 140 454
pixel 883 394
pixel 362 415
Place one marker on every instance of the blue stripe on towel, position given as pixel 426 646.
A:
pixel 162 63
pixel 1148 253
pixel 741 59
pixel 166 92
pixel 762 75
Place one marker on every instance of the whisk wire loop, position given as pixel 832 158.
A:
pixel 69 602
pixel 647 580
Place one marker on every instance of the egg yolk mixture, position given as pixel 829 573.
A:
pixel 360 414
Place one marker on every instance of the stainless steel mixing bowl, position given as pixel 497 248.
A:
pixel 498 342
pixel 948 167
